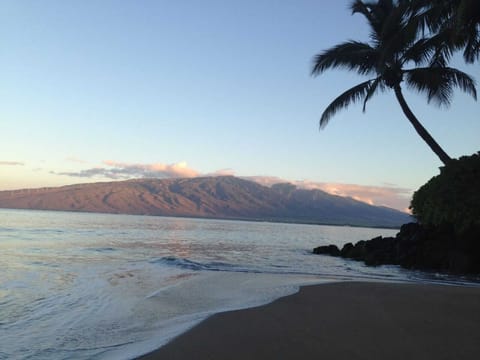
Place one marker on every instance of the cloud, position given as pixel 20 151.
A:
pixel 180 169
pixel 267 180
pixel 11 163
pixel 390 195
pixel 221 172
pixel 121 171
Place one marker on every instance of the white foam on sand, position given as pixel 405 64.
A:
pixel 177 308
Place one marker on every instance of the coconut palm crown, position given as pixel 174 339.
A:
pixel 397 53
pixel 458 21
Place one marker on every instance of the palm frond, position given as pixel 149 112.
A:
pixel 438 83
pixel 362 7
pixel 419 52
pixel 434 14
pixel 350 96
pixel 457 20
pixel 370 10
pixel 394 21
pixel 376 84
pixel 352 55
pixel 434 50
pixel 442 55
pixel 470 40
pixel 472 50
pixel 397 30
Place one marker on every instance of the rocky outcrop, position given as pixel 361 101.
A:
pixel 327 250
pixel 417 247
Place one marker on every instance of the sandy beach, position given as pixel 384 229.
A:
pixel 349 320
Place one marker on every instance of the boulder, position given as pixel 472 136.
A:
pixel 380 251
pixel 346 250
pixel 327 250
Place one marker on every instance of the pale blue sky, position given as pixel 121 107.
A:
pixel 216 84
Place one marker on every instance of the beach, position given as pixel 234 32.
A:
pixel 102 286
pixel 342 320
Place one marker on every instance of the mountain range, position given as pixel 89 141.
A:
pixel 225 197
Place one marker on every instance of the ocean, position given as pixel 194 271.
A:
pixel 102 286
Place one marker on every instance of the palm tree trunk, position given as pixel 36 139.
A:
pixel 419 127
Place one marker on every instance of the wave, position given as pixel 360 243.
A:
pixel 191 265
pixel 272 269
pixel 187 264
pixel 352 273
pixel 101 249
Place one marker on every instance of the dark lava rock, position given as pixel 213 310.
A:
pixel 355 252
pixel 331 250
pixel 417 247
pixel 346 250
pixel 380 251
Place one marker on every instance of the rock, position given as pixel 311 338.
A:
pixel 358 251
pixel 327 250
pixel 346 250
pixel 418 247
pixel 380 251
pixel 461 262
pixel 408 231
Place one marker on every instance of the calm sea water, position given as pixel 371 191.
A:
pixel 98 286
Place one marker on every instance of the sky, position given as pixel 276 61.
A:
pixel 115 89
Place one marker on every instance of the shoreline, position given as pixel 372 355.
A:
pixel 342 320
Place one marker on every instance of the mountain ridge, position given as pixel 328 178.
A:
pixel 225 197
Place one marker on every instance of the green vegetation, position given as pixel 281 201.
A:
pixel 451 198
pixel 409 42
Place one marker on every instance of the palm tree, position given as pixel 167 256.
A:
pixel 395 44
pixel 457 20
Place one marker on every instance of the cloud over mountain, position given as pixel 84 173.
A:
pixel 120 171
pixel 388 195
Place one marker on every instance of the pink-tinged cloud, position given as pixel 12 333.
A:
pixel 222 172
pixel 180 169
pixel 11 163
pixel 120 171
pixel 390 196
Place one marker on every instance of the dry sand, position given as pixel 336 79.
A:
pixel 351 320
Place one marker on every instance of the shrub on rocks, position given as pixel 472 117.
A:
pixel 451 198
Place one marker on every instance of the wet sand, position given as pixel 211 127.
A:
pixel 350 320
